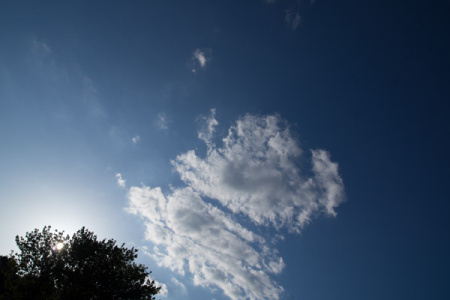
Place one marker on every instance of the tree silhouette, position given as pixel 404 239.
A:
pixel 8 277
pixel 51 265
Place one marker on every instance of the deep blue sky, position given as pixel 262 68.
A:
pixel 367 82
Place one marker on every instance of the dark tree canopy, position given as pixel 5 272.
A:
pixel 8 277
pixel 51 265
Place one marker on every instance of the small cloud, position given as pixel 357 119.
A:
pixel 136 139
pixel 292 18
pixel 161 121
pixel 201 57
pixel 120 181
pixel 207 127
pixel 180 285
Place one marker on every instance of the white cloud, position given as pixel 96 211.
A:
pixel 255 173
pixel 328 180
pixel 292 18
pixel 164 292
pixel 120 181
pixel 201 57
pixel 207 127
pixel 193 236
pixel 180 285
pixel 136 139
pixel 162 121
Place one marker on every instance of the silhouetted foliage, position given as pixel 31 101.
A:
pixel 8 277
pixel 51 265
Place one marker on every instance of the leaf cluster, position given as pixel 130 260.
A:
pixel 51 265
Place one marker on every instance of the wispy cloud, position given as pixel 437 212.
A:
pixel 161 121
pixel 136 139
pixel 254 174
pixel 43 60
pixel 42 47
pixel 57 75
pixel 292 18
pixel 91 98
pixel 42 52
pixel 180 285
pixel 207 127
pixel 120 181
pixel 201 57
pixel 293 15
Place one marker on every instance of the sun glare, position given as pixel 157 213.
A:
pixel 59 246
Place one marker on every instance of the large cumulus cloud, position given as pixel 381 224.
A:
pixel 255 174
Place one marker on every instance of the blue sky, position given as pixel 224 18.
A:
pixel 251 149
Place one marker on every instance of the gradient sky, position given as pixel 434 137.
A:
pixel 250 149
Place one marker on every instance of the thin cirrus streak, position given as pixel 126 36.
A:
pixel 255 173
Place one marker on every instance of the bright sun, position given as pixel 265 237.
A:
pixel 59 245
